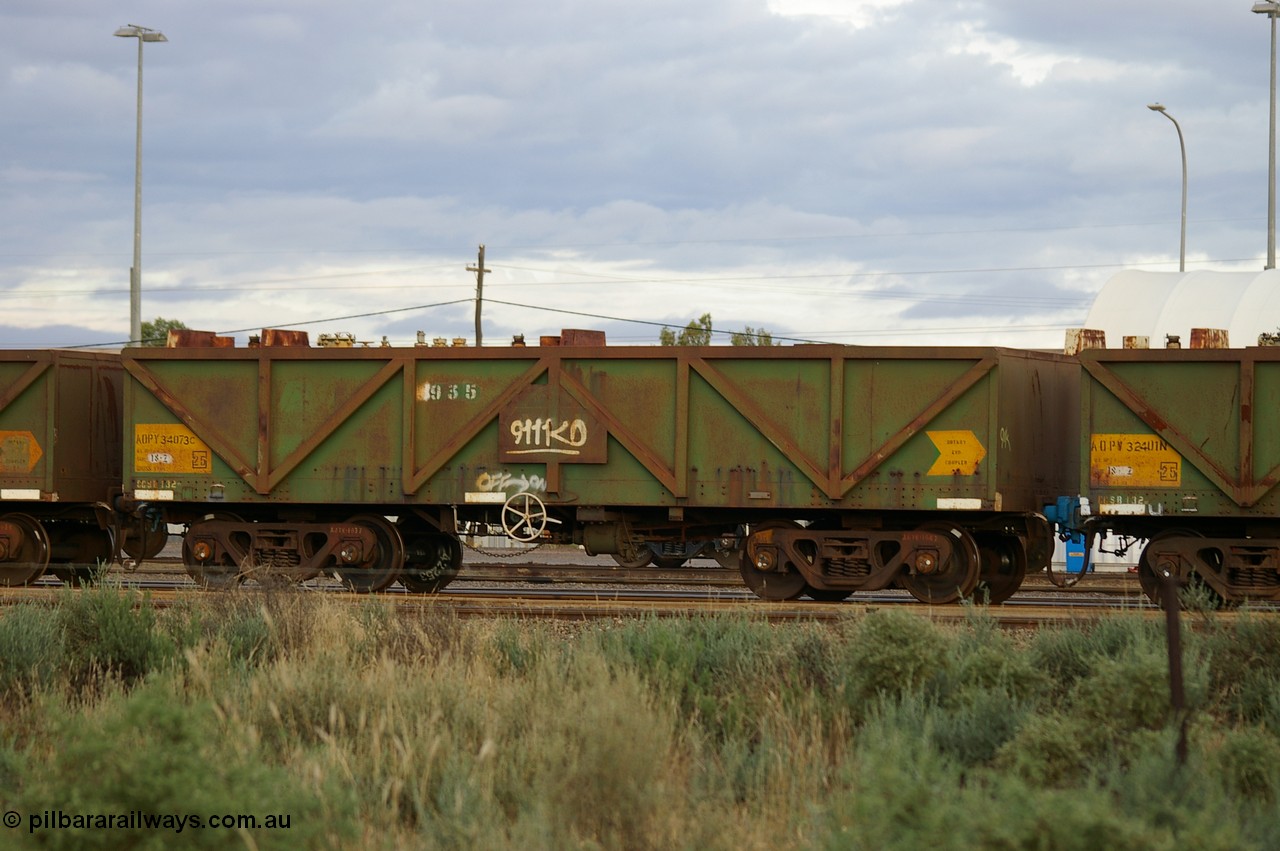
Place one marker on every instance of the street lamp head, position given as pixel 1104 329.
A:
pixel 1156 107
pixel 135 31
pixel 1267 8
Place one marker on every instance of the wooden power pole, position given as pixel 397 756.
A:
pixel 479 269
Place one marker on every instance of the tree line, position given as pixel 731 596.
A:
pixel 698 333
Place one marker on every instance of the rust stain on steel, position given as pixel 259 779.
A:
pixel 202 429
pixel 763 424
pixel 682 427
pixel 266 416
pixel 554 369
pixel 408 423
pixel 579 337
pixel 280 338
pixel 835 436
pixel 1241 492
pixel 900 437
pixel 1081 339
pixel 1209 338
pixel 644 453
pixel 188 338
pixel 340 415
pixel 1246 436
pixel 473 426
pixel 1261 486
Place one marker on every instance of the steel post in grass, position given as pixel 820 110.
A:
pixel 1173 634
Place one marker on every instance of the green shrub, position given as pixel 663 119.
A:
pixel 107 632
pixel 972 732
pixel 716 670
pixel 1121 696
pixel 892 653
pixel 31 650
pixel 148 752
pixel 1248 761
pixel 428 731
pixel 1049 750
pixel 892 782
pixel 1186 804
pixel 1244 662
pixel 514 650
pixel 249 638
pixel 1065 655
pixel 984 657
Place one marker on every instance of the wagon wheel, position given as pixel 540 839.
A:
pixel 31 557
pixel 141 542
pixel 780 582
pixel 90 551
pixel 634 555
pixel 957 574
pixel 1003 567
pixel 381 567
pixel 524 518
pixel 222 574
pixel 1149 576
pixel 441 567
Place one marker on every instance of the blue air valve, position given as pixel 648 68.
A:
pixel 1070 514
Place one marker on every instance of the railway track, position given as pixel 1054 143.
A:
pixel 477 599
pixel 574 590
pixel 563 582
pixel 572 567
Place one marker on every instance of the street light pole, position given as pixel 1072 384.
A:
pixel 1182 247
pixel 1271 9
pixel 135 273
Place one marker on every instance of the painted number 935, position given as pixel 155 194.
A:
pixel 433 392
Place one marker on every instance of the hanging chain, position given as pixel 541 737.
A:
pixel 492 554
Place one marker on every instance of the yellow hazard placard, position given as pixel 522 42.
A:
pixel 19 451
pixel 169 448
pixel 959 453
pixel 1133 460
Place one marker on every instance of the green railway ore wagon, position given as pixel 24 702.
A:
pixel 60 441
pixel 812 469
pixel 1182 447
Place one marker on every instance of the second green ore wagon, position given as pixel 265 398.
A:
pixel 814 470
pixel 1181 448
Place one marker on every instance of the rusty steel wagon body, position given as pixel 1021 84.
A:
pixel 1181 447
pixel 60 470
pixel 819 470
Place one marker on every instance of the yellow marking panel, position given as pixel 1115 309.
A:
pixel 959 453
pixel 169 448
pixel 19 452
pixel 1133 460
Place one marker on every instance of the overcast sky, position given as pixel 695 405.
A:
pixel 831 170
